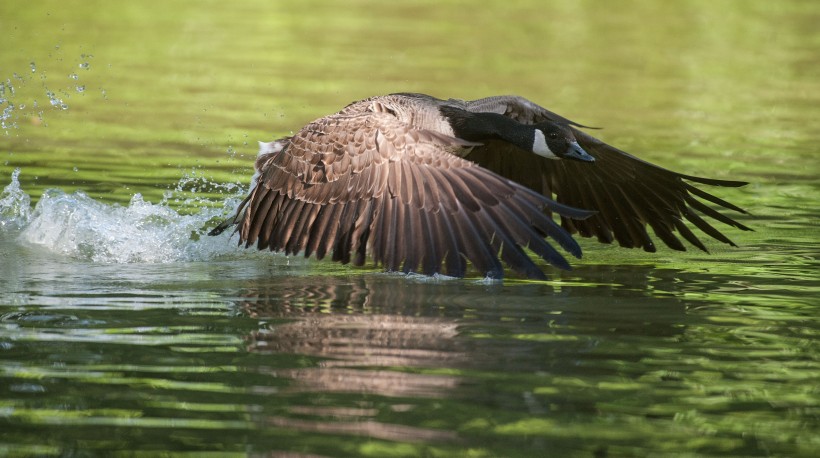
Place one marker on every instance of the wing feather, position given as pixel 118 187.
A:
pixel 366 183
pixel 628 193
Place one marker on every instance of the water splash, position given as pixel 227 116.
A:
pixel 6 116
pixel 56 101
pixel 6 121
pixel 15 205
pixel 77 226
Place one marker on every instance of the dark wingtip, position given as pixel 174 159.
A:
pixel 575 124
pixel 569 211
pixel 537 274
pixel 714 181
pixel 221 227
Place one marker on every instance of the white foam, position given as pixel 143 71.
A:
pixel 15 205
pixel 78 226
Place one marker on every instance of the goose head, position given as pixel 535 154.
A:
pixel 556 141
pixel 547 139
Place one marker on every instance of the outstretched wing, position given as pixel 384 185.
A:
pixel 518 108
pixel 353 184
pixel 628 193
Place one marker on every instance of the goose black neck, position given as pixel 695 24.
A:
pixel 479 127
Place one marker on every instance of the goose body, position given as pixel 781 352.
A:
pixel 421 184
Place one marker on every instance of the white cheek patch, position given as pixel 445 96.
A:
pixel 540 146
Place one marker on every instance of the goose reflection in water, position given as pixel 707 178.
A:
pixel 344 323
pixel 348 323
pixel 408 346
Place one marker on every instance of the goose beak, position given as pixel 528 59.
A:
pixel 575 152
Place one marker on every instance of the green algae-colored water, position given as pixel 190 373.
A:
pixel 132 126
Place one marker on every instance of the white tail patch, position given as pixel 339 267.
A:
pixel 270 147
pixel 265 149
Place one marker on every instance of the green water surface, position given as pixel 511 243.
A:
pixel 629 354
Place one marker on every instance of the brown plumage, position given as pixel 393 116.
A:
pixel 425 185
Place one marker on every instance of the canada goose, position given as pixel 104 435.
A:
pixel 425 185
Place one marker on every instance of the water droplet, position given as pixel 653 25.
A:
pixel 84 65
pixel 74 76
pixel 6 116
pixel 55 101
pixel 7 85
pixel 33 67
pixel 80 89
pixel 76 169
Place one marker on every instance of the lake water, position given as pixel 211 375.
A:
pixel 129 128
